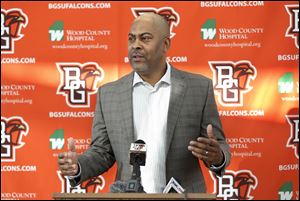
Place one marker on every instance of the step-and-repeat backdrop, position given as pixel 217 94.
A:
pixel 54 56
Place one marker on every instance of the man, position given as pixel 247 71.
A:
pixel 173 111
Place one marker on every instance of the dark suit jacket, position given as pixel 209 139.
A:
pixel 192 107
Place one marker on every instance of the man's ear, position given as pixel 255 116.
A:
pixel 167 44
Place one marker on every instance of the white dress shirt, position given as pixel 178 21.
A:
pixel 150 111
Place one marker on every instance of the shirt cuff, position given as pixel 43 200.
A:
pixel 217 168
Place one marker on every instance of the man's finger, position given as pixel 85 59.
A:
pixel 199 145
pixel 71 155
pixel 61 155
pixel 65 167
pixel 71 145
pixel 61 161
pixel 199 156
pixel 68 172
pixel 210 133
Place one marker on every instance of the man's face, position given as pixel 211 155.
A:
pixel 145 46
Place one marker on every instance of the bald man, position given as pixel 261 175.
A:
pixel 173 111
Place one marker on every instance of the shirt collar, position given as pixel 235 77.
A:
pixel 166 78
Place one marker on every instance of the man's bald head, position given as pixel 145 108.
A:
pixel 148 43
pixel 158 21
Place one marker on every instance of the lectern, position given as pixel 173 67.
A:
pixel 133 196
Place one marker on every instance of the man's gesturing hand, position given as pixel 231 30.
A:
pixel 67 161
pixel 207 149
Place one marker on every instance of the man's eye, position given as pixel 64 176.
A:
pixel 131 39
pixel 146 38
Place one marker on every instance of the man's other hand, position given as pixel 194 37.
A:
pixel 68 161
pixel 207 149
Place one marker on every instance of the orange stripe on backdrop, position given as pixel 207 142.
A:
pixel 46 74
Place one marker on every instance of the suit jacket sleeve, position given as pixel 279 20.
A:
pixel 99 157
pixel 211 116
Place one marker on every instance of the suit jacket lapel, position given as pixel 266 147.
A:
pixel 178 88
pixel 126 111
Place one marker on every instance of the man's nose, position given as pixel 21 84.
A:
pixel 136 44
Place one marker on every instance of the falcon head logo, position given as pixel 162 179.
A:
pixel 244 181
pixel 293 141
pixel 78 82
pixel 242 72
pixel 235 185
pixel 168 13
pixel 293 29
pixel 232 80
pixel 12 22
pixel 13 130
pixel 93 185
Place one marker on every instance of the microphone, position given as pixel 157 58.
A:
pixel 137 155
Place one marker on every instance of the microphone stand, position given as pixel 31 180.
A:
pixel 134 184
pixel 136 173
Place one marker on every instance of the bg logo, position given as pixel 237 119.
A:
pixel 94 185
pixel 167 12
pixel 293 30
pixel 235 185
pixel 12 131
pixel 12 22
pixel 293 141
pixel 232 80
pixel 78 82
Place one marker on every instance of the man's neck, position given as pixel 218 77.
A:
pixel 153 77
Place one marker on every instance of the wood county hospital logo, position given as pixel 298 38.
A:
pixel 12 22
pixel 78 82
pixel 13 130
